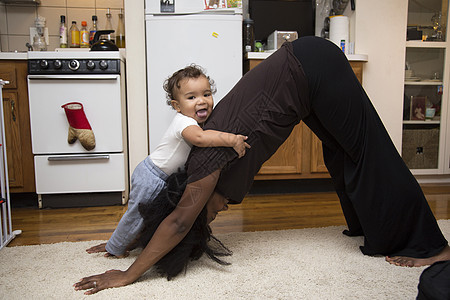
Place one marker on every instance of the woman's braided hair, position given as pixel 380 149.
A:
pixel 199 239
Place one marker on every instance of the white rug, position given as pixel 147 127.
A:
pixel 318 263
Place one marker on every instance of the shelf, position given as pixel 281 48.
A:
pixel 426 122
pixel 423 82
pixel 421 44
pixel 425 142
pixel 425 171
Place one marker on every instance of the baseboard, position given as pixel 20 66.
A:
pixel 294 186
pixel 433 179
pixel 81 199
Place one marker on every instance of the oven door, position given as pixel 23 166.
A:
pixel 80 173
pixel 101 99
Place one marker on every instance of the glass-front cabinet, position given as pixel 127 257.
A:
pixel 425 109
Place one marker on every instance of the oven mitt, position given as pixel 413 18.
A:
pixel 79 127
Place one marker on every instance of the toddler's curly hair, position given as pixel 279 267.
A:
pixel 173 82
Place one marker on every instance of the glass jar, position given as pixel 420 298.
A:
pixel 39 43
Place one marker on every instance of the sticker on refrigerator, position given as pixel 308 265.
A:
pixel 167 6
pixel 234 3
pixel 214 4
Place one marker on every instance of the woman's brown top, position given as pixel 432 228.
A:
pixel 264 105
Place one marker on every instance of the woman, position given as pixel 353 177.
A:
pixel 310 80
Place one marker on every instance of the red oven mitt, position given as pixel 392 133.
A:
pixel 79 125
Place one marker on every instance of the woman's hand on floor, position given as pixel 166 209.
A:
pixel 96 283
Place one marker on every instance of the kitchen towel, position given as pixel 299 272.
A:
pixel 339 31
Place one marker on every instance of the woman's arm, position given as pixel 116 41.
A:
pixel 169 233
pixel 212 138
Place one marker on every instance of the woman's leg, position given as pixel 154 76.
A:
pixel 334 157
pixel 373 179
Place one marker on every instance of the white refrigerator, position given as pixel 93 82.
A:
pixel 189 33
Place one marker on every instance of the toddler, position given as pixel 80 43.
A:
pixel 189 92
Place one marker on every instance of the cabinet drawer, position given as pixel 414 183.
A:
pixel 80 173
pixel 8 73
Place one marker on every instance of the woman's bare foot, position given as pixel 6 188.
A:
pixel 404 261
pixel 102 248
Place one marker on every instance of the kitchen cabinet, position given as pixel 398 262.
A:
pixel 300 156
pixel 425 103
pixel 17 126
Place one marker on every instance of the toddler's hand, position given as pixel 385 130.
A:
pixel 240 145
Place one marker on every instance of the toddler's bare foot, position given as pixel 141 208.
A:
pixel 102 248
pixel 404 261
pixel 97 249
pixel 107 254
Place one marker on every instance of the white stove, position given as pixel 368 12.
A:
pixel 67 173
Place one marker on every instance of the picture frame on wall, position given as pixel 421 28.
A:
pixel 418 108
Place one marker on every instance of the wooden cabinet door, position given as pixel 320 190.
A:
pixel 357 67
pixel 8 73
pixel 317 162
pixel 288 158
pixel 17 126
pixel 13 139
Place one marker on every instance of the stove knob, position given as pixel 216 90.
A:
pixel 57 64
pixel 74 65
pixel 43 64
pixel 90 65
pixel 103 65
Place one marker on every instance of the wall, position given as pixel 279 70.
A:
pixel 136 82
pixel 380 32
pixel 16 20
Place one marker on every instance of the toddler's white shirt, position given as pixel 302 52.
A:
pixel 172 152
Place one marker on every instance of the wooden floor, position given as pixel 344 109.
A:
pixel 267 212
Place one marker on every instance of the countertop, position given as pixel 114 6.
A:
pixel 77 52
pixel 13 55
pixel 264 55
pixel 249 55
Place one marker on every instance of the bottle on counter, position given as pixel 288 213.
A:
pixel 248 35
pixel 93 30
pixel 84 35
pixel 120 32
pixel 110 36
pixel 74 35
pixel 63 33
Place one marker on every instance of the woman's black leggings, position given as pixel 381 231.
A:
pixel 379 196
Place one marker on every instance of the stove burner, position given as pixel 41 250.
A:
pixel 72 66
